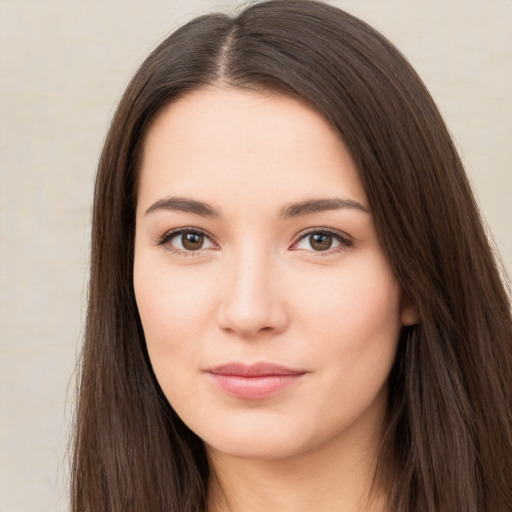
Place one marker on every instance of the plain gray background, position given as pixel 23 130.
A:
pixel 63 66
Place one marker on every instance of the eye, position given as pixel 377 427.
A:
pixel 322 240
pixel 187 240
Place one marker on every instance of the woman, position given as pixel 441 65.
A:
pixel 293 304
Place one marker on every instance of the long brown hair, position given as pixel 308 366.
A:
pixel 447 441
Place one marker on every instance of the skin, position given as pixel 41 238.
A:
pixel 256 290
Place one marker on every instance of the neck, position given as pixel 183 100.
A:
pixel 336 476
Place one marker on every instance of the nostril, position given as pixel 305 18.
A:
pixel 248 320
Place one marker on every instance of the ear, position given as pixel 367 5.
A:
pixel 409 314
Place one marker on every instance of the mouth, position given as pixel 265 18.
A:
pixel 254 382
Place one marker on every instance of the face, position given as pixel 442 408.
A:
pixel 270 313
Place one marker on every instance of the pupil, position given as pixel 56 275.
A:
pixel 192 241
pixel 320 241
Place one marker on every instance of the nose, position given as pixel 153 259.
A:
pixel 252 296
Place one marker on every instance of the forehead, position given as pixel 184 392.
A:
pixel 230 143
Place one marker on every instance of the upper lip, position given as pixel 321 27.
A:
pixel 253 370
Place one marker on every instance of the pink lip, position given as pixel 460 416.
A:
pixel 255 381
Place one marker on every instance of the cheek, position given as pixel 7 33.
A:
pixel 363 298
pixel 354 321
pixel 173 313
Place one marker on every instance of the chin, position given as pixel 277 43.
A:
pixel 253 439
pixel 264 440
pixel 259 448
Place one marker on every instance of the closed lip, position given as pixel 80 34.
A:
pixel 254 381
pixel 253 370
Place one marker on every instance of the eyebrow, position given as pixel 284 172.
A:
pixel 183 204
pixel 320 205
pixel 186 205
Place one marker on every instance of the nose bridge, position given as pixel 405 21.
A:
pixel 251 300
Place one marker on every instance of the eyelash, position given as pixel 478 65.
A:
pixel 343 240
pixel 167 237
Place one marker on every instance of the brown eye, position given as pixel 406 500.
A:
pixel 320 241
pixel 323 241
pixel 192 241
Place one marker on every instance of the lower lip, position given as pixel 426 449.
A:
pixel 256 387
